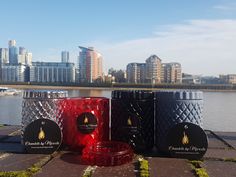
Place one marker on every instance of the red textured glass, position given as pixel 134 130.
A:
pixel 107 153
pixel 85 121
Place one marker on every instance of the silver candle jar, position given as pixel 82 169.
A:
pixel 42 104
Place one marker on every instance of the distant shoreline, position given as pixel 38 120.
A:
pixel 118 87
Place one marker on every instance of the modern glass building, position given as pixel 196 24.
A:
pixel 13 52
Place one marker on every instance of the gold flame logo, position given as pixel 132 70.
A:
pixel 185 139
pixel 85 120
pixel 129 122
pixel 41 134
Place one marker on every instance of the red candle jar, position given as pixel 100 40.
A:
pixel 85 121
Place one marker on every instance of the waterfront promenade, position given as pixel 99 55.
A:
pixel 219 161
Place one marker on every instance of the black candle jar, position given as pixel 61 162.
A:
pixel 132 118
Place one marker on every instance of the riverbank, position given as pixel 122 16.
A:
pixel 219 161
pixel 118 87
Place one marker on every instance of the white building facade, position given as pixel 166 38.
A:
pixel 52 72
pixel 13 73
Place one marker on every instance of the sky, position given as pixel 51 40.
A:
pixel 201 35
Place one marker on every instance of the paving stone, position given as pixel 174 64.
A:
pixel 220 153
pixel 16 162
pixel 214 143
pixel 229 137
pixel 65 165
pixel 220 168
pixel 126 170
pixel 163 167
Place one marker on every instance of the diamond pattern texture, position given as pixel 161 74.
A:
pixel 33 109
pixel 171 112
pixel 142 110
pixel 99 107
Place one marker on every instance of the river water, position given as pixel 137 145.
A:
pixel 219 108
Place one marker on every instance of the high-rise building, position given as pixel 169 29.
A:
pixel 28 58
pixel 21 56
pixel 65 57
pixel 153 69
pixel 4 55
pixel 171 73
pixel 24 56
pixel 52 72
pixel 3 59
pixel 12 43
pixel 136 72
pixel 22 51
pixel 90 65
pixel 13 52
pixel 21 59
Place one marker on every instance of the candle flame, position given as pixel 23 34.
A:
pixel 129 122
pixel 85 120
pixel 185 139
pixel 41 134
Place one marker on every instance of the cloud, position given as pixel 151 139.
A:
pixel 201 46
pixel 226 7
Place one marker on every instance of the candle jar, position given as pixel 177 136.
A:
pixel 132 118
pixel 85 121
pixel 174 107
pixel 42 121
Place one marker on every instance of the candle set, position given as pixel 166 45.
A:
pixel 50 118
pixel 140 120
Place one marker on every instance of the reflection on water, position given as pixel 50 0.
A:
pixel 219 108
